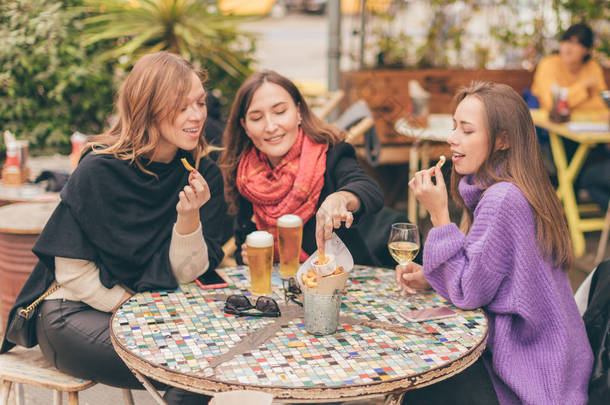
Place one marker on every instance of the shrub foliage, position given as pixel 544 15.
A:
pixel 48 87
pixel 62 61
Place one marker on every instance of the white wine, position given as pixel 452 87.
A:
pixel 403 252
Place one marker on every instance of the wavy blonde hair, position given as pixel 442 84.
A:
pixel 152 93
pixel 508 117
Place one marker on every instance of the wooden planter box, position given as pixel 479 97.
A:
pixel 387 94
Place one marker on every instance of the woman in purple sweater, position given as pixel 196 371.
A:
pixel 510 257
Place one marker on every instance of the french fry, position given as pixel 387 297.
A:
pixel 441 161
pixel 322 259
pixel 187 165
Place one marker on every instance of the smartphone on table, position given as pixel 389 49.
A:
pixel 211 280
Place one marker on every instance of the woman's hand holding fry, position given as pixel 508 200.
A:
pixel 432 195
pixel 191 199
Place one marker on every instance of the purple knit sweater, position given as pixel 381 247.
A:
pixel 537 351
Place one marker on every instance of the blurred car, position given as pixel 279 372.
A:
pixel 274 8
pixel 375 6
pixel 314 6
pixel 279 8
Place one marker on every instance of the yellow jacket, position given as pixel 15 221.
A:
pixel 552 70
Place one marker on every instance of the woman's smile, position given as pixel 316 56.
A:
pixel 275 140
pixel 456 156
pixel 272 121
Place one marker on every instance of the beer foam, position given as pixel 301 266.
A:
pixel 289 221
pixel 259 239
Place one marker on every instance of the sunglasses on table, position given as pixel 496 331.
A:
pixel 291 290
pixel 240 305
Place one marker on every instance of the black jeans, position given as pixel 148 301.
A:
pixel 75 338
pixel 472 386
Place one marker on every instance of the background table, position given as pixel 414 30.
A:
pixel 20 225
pixel 36 192
pixel 567 172
pixel 184 338
pixel 24 193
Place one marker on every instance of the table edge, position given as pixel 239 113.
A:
pixel 192 382
pixel 561 129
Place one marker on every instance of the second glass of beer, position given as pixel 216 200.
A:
pixel 290 235
pixel 260 261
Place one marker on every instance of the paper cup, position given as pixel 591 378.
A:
pixel 326 268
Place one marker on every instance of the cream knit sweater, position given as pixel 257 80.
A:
pixel 188 257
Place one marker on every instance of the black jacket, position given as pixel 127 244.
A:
pixel 343 173
pixel 597 322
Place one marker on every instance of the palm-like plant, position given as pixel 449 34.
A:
pixel 187 27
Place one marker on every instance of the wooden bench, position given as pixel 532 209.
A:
pixel 28 366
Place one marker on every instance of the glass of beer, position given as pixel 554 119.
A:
pixel 290 235
pixel 404 242
pixel 260 261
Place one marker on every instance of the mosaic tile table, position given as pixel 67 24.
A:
pixel 183 338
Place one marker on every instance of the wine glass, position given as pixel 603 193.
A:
pixel 404 242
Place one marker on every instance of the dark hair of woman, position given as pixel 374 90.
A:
pixel 236 142
pixel 583 34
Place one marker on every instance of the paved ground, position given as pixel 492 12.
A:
pixel 297 45
pixel 294 46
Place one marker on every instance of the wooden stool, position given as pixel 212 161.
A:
pixel 28 366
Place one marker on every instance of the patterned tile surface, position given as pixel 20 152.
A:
pixel 186 329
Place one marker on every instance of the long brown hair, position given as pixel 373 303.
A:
pixel 508 118
pixel 236 142
pixel 153 92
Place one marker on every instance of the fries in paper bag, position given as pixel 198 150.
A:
pixel 325 276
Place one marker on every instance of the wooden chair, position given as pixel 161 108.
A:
pixel 358 130
pixel 322 101
pixel 28 366
pixel 327 103
pixel 228 249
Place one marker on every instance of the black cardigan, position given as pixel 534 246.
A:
pixel 343 173
pixel 121 218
